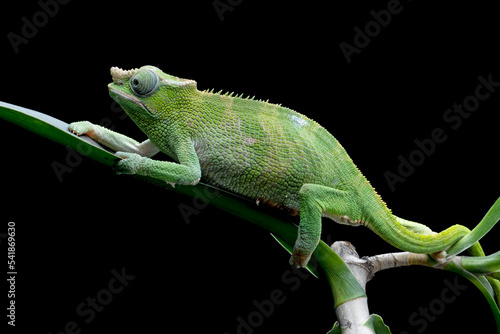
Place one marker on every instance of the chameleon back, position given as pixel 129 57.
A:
pixel 264 151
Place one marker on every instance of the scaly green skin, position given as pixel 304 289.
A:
pixel 256 149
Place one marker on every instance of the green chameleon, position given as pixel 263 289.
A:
pixel 260 150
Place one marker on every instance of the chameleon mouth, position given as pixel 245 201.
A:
pixel 118 95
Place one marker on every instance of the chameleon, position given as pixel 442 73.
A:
pixel 260 150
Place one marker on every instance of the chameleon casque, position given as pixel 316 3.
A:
pixel 260 150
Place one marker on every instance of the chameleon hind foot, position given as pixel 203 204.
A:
pixel 299 259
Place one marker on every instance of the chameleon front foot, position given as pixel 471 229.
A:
pixel 81 128
pixel 131 163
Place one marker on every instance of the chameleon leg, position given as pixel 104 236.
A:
pixel 316 201
pixel 170 172
pixel 113 140
pixel 136 155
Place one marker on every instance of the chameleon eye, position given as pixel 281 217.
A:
pixel 144 83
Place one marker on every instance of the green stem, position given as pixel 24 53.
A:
pixel 483 265
pixel 482 284
pixel 489 220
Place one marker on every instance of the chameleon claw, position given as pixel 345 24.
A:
pixel 293 264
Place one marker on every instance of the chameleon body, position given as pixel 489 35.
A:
pixel 260 150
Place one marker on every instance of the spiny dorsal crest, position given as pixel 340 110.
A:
pixel 228 94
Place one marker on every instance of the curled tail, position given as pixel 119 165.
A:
pixel 418 238
pixel 460 231
pixel 410 236
pixel 474 250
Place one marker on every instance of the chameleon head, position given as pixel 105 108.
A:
pixel 146 93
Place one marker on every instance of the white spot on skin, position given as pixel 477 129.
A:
pixel 299 121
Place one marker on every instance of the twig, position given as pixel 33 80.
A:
pixel 353 314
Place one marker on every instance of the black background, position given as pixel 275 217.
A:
pixel 203 275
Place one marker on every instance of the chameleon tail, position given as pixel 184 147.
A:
pixel 474 250
pixel 418 238
pixel 410 236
